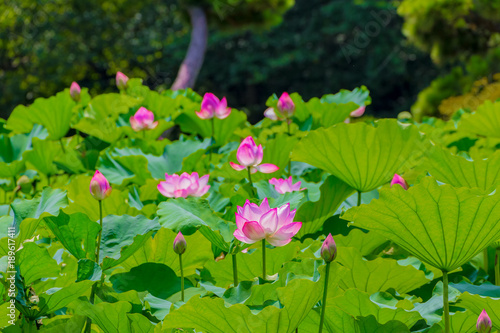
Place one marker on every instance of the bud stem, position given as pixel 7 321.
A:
pixel 264 259
pixel 251 183
pixel 359 198
pixel 235 270
pixel 497 266
pixel 212 139
pixel 446 305
pixel 62 146
pixel 182 278
pixel 325 293
pixel 289 161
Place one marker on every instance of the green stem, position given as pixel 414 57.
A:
pixel 325 293
pixel 446 305
pixel 235 270
pixel 264 259
pixel 289 161
pixel 182 277
pixel 62 146
pixel 497 266
pixel 359 198
pixel 251 183
pixel 485 260
pixel 144 134
pixel 212 138
pixel 77 137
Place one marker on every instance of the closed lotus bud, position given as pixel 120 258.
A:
pixel 74 91
pixel 121 80
pixel 286 105
pixel 397 179
pixel 329 249
pixel 99 186
pixel 483 324
pixel 179 244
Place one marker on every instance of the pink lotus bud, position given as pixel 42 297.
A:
pixel 179 244
pixel 121 80
pixel 250 156
pixel 269 113
pixel 74 91
pixel 329 249
pixel 211 107
pixel 143 119
pixel 397 179
pixel 275 225
pixel 99 186
pixel 483 324
pixel 185 185
pixel 358 112
pixel 286 105
pixel 285 185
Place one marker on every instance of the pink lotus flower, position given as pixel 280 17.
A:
pixel 286 105
pixel 285 185
pixel 185 185
pixel 212 107
pixel 250 156
pixel 74 91
pixel 358 112
pixel 121 80
pixel 483 324
pixel 143 119
pixel 261 222
pixel 99 186
pixel 180 244
pixel 329 249
pixel 397 179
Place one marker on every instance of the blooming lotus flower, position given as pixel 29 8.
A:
pixel 329 249
pixel 261 222
pixel 285 185
pixel 143 119
pixel 397 179
pixel 483 324
pixel 74 91
pixel 99 186
pixel 185 185
pixel 180 244
pixel 212 107
pixel 121 80
pixel 358 112
pixel 250 155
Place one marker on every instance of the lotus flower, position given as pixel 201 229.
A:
pixel 286 108
pixel 143 119
pixel 99 186
pixel 185 185
pixel 483 324
pixel 212 107
pixel 261 222
pixel 397 179
pixel 285 185
pixel 74 91
pixel 121 80
pixel 358 112
pixel 180 244
pixel 329 249
pixel 250 155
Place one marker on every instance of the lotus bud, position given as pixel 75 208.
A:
pixel 179 244
pixel 397 179
pixel 74 91
pixel 286 105
pixel 483 324
pixel 99 186
pixel 358 112
pixel 121 80
pixel 329 249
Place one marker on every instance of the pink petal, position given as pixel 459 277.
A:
pixel 204 114
pixel 397 179
pixel 267 168
pixel 241 237
pixel 277 242
pixel 136 126
pixel 246 155
pixel 166 189
pixel 269 221
pixel 253 231
pixel 269 113
pixel 264 206
pixel 240 221
pixel 358 112
pixel 259 155
pixel 287 231
pixel 237 167
pixel 286 105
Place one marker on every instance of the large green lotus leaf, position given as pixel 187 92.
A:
pixel 328 114
pixel 458 171
pixel 118 169
pixel 360 154
pixel 28 213
pixel 187 215
pixel 485 121
pixel 63 323
pixel 360 96
pixel 57 298
pixel 212 315
pixel 126 251
pixel 364 242
pixel 250 264
pixel 83 202
pixel 476 304
pixel 159 249
pixel 314 214
pixel 53 113
pixel 380 274
pixel 76 232
pixel 441 225
pixel 35 263
pixel 484 289
pixel 110 317
pixel 11 152
pixel 462 322
pixel 223 128
pixel 276 151
pixel 42 156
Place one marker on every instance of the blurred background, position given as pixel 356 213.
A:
pixel 430 57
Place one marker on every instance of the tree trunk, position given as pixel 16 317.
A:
pixel 190 67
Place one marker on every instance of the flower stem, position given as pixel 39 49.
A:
pixel 94 286
pixel 251 183
pixel 62 146
pixel 235 270
pixel 144 134
pixel 289 161
pixel 212 138
pixel 182 278
pixel 446 305
pixel 359 198
pixel 264 259
pixel 497 266
pixel 325 293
